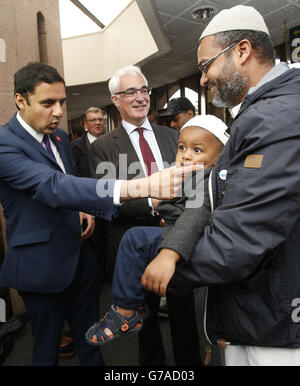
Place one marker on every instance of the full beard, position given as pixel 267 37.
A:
pixel 231 87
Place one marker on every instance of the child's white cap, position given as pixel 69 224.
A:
pixel 210 123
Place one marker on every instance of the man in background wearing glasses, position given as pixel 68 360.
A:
pixel 94 125
pixel 130 93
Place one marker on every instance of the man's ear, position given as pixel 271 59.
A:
pixel 115 101
pixel 21 102
pixel 244 49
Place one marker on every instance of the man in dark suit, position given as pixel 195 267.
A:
pixel 46 260
pixel 123 148
pixel 94 125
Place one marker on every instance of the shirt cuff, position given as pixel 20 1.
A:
pixel 151 206
pixel 117 192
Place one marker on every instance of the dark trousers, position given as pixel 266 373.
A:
pixel 78 305
pixel 138 247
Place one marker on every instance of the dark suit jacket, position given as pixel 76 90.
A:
pixel 107 148
pixel 41 206
pixel 80 150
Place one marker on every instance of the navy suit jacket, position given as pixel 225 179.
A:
pixel 41 205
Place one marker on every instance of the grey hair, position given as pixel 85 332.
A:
pixel 114 83
pixel 93 110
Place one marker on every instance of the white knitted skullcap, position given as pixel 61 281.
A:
pixel 210 123
pixel 240 17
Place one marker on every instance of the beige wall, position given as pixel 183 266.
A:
pixel 126 41
pixel 18 31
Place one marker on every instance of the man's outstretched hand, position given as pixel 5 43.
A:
pixel 163 185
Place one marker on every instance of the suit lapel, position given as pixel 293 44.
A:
pixel 122 140
pixel 123 145
pixel 86 146
pixel 65 157
pixel 19 131
pixel 163 144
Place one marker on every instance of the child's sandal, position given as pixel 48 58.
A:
pixel 117 324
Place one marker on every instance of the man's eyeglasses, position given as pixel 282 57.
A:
pixel 203 67
pixel 95 120
pixel 132 92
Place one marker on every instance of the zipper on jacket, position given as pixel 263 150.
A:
pixel 208 347
pixel 221 342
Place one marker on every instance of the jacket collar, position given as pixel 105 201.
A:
pixel 266 89
pixel 16 128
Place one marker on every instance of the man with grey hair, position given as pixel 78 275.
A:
pixel 131 148
pixel 248 256
pixel 94 125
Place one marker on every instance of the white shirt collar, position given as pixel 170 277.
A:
pixel 91 137
pixel 129 127
pixel 35 134
pixel 235 110
pixel 40 137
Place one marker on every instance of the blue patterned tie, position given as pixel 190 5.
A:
pixel 48 145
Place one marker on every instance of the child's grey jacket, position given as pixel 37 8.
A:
pixel 184 225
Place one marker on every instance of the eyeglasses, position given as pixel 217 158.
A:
pixel 95 120
pixel 203 67
pixel 132 92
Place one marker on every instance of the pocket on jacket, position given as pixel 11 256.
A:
pixel 34 237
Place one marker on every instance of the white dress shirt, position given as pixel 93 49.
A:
pixel 150 138
pixel 91 137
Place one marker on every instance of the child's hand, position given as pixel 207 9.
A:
pixel 162 223
pixel 159 272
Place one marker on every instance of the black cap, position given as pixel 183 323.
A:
pixel 178 105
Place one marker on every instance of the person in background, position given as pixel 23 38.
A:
pixel 76 132
pixel 152 115
pixel 93 128
pixel 94 125
pixel 178 112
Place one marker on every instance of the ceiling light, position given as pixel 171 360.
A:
pixel 203 13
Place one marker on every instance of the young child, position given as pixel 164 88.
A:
pixel 201 140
